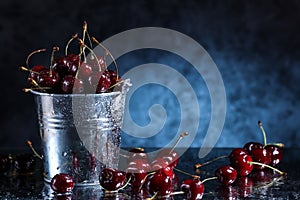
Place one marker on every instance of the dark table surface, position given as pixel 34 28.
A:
pixel 266 184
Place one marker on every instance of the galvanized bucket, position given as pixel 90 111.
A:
pixel 80 133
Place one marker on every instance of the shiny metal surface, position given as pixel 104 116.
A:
pixel 80 133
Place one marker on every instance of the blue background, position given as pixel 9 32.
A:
pixel 255 45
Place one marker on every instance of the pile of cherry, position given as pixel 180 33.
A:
pixel 156 179
pixel 73 73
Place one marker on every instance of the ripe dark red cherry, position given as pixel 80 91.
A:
pixel 62 183
pixel 226 175
pixel 84 71
pixel 276 154
pixel 159 183
pixel 48 78
pixel 163 166
pixel 262 156
pixel 248 147
pixel 112 179
pixel 24 163
pixel 193 189
pixel 34 72
pixel 171 156
pixel 104 82
pixel 70 85
pixel 5 163
pixel 241 162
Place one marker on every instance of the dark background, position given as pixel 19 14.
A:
pixel 255 45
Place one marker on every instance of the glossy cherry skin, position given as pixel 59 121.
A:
pixel 137 172
pixel 112 179
pixel 104 82
pixel 226 175
pixel 99 81
pixel 48 78
pixel 84 71
pixel 62 183
pixel 66 65
pixel 24 163
pixel 193 189
pixel 237 152
pixel 5 163
pixel 276 154
pixel 159 183
pixel 33 75
pixel 162 165
pixel 72 85
pixel 262 156
pixel 171 156
pixel 240 161
pixel 248 147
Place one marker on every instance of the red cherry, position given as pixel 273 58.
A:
pixel 104 82
pixel 159 183
pixel 240 160
pixel 262 156
pixel 62 183
pixel 162 165
pixel 34 72
pixel 248 147
pixel 48 78
pixel 84 71
pixel 99 81
pixel 261 177
pixel 193 189
pixel 171 156
pixel 70 85
pixel 226 175
pixel 276 154
pixel 112 179
pixel 237 152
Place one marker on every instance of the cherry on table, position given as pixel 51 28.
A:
pixel 112 179
pixel 159 183
pixel 241 162
pixel 262 156
pixel 276 154
pixel 226 174
pixel 62 183
pixel 193 189
pixel 250 146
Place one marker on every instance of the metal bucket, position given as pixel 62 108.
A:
pixel 80 133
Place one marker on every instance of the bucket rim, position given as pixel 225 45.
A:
pixel 126 82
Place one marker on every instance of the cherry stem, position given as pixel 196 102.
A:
pixel 28 70
pixel 209 179
pixel 108 52
pixel 198 165
pixel 276 144
pixel 92 52
pixel 112 86
pixel 69 42
pixel 263 132
pixel 268 166
pixel 33 150
pixel 52 58
pixel 34 52
pixel 188 174
pixel 182 135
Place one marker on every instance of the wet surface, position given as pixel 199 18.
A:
pixel 258 185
